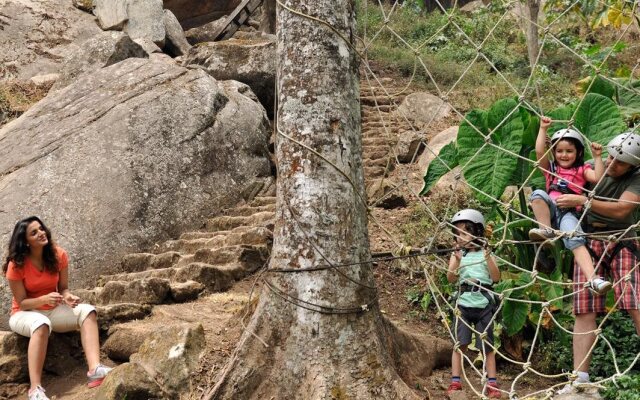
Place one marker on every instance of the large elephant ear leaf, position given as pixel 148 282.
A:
pixel 446 160
pixel 629 100
pixel 599 119
pixel 489 166
pixel 560 114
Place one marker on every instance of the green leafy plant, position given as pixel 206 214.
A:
pixel 621 333
pixel 623 388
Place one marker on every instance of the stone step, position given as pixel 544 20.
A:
pixel 244 211
pixel 373 172
pixel 375 141
pixel 252 257
pixel 378 162
pixel 385 108
pixel 262 201
pixel 375 153
pixel 224 222
pixel 251 236
pixel 121 312
pixel 209 235
pixel 143 291
pixel 369 100
pixel 142 261
pixel 214 278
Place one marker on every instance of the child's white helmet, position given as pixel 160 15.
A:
pixel 468 214
pixel 566 134
pixel 626 148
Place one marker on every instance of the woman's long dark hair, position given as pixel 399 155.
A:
pixel 19 249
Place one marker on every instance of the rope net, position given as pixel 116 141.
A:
pixel 506 209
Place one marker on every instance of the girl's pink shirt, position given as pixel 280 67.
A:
pixel 574 177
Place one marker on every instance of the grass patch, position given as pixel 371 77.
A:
pixel 16 97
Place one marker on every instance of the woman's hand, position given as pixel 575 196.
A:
pixel 71 299
pixel 51 299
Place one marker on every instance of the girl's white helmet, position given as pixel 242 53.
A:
pixel 468 214
pixel 626 148
pixel 566 134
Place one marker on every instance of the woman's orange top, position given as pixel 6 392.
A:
pixel 36 283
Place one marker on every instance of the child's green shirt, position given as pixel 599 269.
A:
pixel 473 266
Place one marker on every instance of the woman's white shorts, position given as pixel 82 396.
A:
pixel 60 319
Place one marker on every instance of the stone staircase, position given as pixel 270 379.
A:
pixel 381 127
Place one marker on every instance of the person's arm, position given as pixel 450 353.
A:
pixel 613 209
pixel 454 264
pixel 494 272
pixel 63 287
pixel 594 175
pixel 541 143
pixel 25 304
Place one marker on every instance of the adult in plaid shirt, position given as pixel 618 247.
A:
pixel 612 209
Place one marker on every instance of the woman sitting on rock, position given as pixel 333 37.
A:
pixel 39 279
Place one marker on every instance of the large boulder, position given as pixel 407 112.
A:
pixel 163 364
pixel 138 18
pixel 250 60
pixel 176 42
pixel 37 35
pixel 423 109
pixel 129 156
pixel 101 50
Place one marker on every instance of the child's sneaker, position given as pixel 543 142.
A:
pixel 540 235
pixel 598 286
pixel 454 387
pixel 37 394
pixel 97 375
pixel 492 391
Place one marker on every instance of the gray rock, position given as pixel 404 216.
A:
pixel 423 109
pixel 145 20
pixel 102 50
pixel 409 145
pixel 13 357
pixel 170 356
pixel 111 14
pixel 436 144
pixel 125 340
pixel 148 46
pixel 84 5
pixel 176 42
pixel 186 291
pixel 129 156
pixel 251 61
pixel 193 13
pixel 128 381
pixel 37 35
pixel 46 80
pixel 206 32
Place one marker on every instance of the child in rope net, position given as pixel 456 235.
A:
pixel 566 174
pixel 475 269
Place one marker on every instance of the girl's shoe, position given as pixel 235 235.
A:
pixel 97 375
pixel 493 392
pixel 540 235
pixel 37 394
pixel 454 387
pixel 599 286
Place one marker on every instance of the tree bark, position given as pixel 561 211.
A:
pixel 268 19
pixel 338 348
pixel 531 30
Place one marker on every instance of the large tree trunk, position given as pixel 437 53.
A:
pixel 324 330
pixel 531 30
